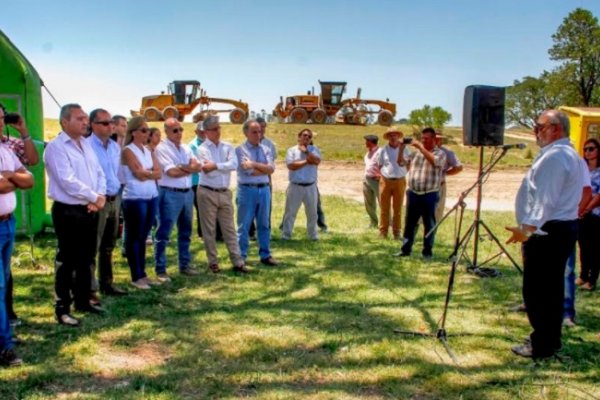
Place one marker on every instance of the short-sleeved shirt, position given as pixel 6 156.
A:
pixel 306 174
pixel 423 176
pixel 387 159
pixel 371 166
pixel 8 162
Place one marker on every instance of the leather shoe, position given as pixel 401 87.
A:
pixel 241 269
pixel 92 309
pixel 269 261
pixel 523 350
pixel 113 291
pixel 94 299
pixel 66 319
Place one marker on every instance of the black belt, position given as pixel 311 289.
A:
pixel 303 184
pixel 172 189
pixel 219 190
pixel 257 185
pixel 111 198
pixel 5 217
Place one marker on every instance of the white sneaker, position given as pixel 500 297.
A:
pixel 140 284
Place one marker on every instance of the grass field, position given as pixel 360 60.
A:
pixel 320 326
pixel 344 142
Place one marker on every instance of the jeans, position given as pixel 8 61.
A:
pixel 417 206
pixel 139 215
pixel 174 208
pixel 569 303
pixel 7 240
pixel 254 202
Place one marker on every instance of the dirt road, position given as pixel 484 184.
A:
pixel 345 179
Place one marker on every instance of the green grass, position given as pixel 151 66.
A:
pixel 345 142
pixel 320 326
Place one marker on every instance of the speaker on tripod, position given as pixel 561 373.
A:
pixel 483 116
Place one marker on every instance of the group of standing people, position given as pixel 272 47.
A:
pixel 393 172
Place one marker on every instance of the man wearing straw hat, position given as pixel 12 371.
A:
pixel 392 166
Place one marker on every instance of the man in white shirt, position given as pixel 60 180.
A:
pixel 12 176
pixel 175 199
pixel 546 211
pixel 371 179
pixel 77 184
pixel 217 160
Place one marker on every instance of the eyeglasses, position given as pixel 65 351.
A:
pixel 177 130
pixel 537 128
pixel 103 123
pixel 306 135
pixel 590 148
pixel 143 130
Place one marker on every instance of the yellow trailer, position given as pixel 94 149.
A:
pixel 585 124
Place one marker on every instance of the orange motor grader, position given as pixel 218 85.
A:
pixel 300 109
pixel 182 98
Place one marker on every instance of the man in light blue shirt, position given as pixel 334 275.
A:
pixel 255 165
pixel 546 211
pixel 302 161
pixel 108 153
pixel 194 144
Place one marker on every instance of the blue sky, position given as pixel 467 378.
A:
pixel 111 53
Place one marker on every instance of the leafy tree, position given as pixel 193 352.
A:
pixel 527 98
pixel 435 117
pixel 577 46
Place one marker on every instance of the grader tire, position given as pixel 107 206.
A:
pixel 318 116
pixel 385 118
pixel 298 116
pixel 237 116
pixel 170 112
pixel 152 114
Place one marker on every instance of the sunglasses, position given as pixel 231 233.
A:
pixel 590 148
pixel 143 130
pixel 103 123
pixel 177 130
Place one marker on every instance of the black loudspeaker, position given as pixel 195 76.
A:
pixel 483 116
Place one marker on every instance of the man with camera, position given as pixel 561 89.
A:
pixel 425 170
pixel 12 176
pixel 391 161
pixel 25 150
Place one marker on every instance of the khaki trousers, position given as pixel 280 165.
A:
pixel 391 196
pixel 218 206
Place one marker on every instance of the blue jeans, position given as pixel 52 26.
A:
pixel 173 207
pixel 417 206
pixel 139 216
pixel 254 202
pixel 7 240
pixel 569 303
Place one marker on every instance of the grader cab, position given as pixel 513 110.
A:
pixel 182 98
pixel 330 105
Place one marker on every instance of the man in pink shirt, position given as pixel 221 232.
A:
pixel 371 179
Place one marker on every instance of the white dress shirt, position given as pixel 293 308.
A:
pixel 387 159
pixel 169 156
pixel 74 174
pixel 8 162
pixel 551 190
pixel 224 156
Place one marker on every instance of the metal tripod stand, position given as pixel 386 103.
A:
pixel 460 246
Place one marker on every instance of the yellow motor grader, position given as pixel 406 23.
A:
pixel 329 106
pixel 182 98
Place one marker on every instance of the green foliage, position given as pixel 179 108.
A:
pixel 577 46
pixel 435 117
pixel 526 99
pixel 320 326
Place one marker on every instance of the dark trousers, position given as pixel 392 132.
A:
pixel 10 310
pixel 108 230
pixel 139 216
pixel 544 260
pixel 589 251
pixel 420 206
pixel 320 214
pixel 76 233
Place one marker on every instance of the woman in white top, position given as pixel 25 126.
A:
pixel 140 198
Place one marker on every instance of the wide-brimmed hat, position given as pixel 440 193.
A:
pixel 392 129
